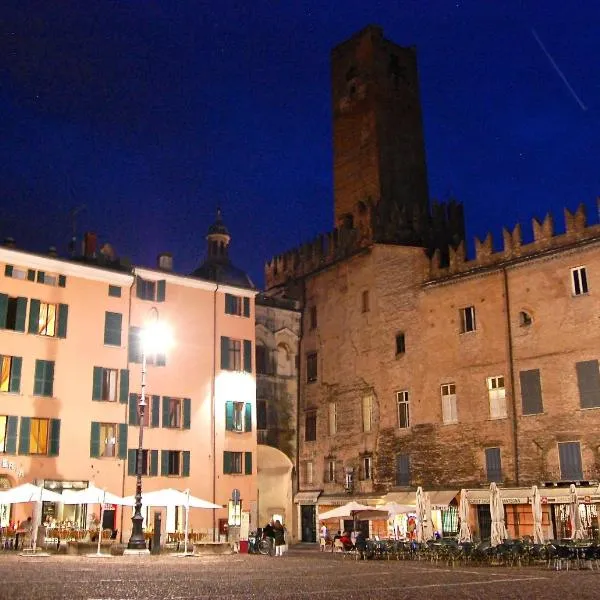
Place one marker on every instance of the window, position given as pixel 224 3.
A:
pixel 402 470
pixel 367 412
pixel 531 392
pixel 12 313
pixel 15 273
pixel 174 462
pixel 400 344
pixel 262 355
pixel 145 462
pixel 147 410
pixel 43 384
pixel 145 289
pixel 236 420
pixel 332 418
pixel 47 319
pixel 588 380
pixel 114 291
pixel 3 433
pixel 449 412
pixel 109 385
pixel 311 367
pixel 525 319
pixel 403 409
pixel 261 414
pixel 308 472
pixel 112 328
pixel 313 317
pixel 569 455
pixel 493 465
pixel 467 319
pixel 365 301
pixel 8 434
pixel 149 462
pixel 173 412
pixel 367 464
pixel 496 397
pixel 232 463
pixel 310 426
pixel 236 305
pixel 38 436
pixel 331 471
pixel 579 281
pixel 10 374
pixel 231 355
pixel 108 440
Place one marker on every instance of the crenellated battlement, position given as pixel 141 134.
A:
pixel 544 238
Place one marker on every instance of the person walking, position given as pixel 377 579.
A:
pixel 25 528
pixel 323 537
pixel 279 534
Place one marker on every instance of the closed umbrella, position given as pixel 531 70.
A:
pixel 536 509
pixel 420 511
pixel 464 535
pixel 577 530
pixel 498 533
pixel 428 522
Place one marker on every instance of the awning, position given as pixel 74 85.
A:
pixel 400 498
pixel 307 497
pixel 341 500
pixel 441 499
pixel 586 495
pixel 508 495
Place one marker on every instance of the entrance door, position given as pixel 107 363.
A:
pixel 308 517
pixel 485 521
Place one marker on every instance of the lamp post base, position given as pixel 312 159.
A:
pixel 131 552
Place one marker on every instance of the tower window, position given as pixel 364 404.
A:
pixel 525 319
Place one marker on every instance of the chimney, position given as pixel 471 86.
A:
pixel 89 244
pixel 52 253
pixel 9 242
pixel 165 261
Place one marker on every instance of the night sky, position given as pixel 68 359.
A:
pixel 150 114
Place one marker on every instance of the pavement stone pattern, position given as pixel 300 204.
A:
pixel 300 574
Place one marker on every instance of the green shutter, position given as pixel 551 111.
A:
pixel 20 316
pixel 246 307
pixel 131 462
pixel 95 440
pixel 155 415
pixel 10 446
pixel 30 275
pixel 3 310
pixel 248 417
pixel 134 345
pixel 248 356
pixel 112 328
pixel 187 413
pixel 114 291
pixel 153 463
pixel 62 281
pixel 165 411
pixel 224 352
pixel 139 288
pixel 229 415
pixel 248 463
pixel 8 270
pixel 161 290
pixel 124 386
pixel 24 435
pixel 49 378
pixel 123 440
pixel 227 462
pixel 15 374
pixel 63 315
pixel 164 462
pixel 185 471
pixel 38 377
pixel 133 410
pixel 34 316
pixel 97 383
pixel 41 276
pixel 54 445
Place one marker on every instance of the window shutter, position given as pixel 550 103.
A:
pixel 588 379
pixel 531 392
pixel 97 383
pixel 246 307
pixel 185 471
pixel 30 275
pixel 224 352
pixel 3 310
pixel 493 464
pixel 139 288
pixel 131 462
pixel 24 435
pixel 123 386
pixel 165 411
pixel 161 287
pixel 114 291
pixel 570 461
pixel 20 316
pixel 402 469
pixel 8 270
pixel 187 413
pixel 41 276
pixel 248 417
pixel 155 415
pixel 153 463
pixel 10 446
pixel 63 315
pixel 248 356
pixel 229 415
pixel 62 281
pixel 133 410
pixel 227 462
pixel 112 328
pixel 54 445
pixel 48 378
pixel 248 463
pixel 122 440
pixel 228 310
pixel 38 378
pixel 164 462
pixel 15 374
pixel 95 440
pixel 34 316
pixel 134 345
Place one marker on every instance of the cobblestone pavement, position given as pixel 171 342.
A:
pixel 301 574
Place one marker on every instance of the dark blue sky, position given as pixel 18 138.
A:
pixel 153 113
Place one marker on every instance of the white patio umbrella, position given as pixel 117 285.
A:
pixel 464 535
pixel 536 509
pixel 420 511
pixel 577 530
pixel 94 495
pixel 27 492
pixel 498 533
pixel 345 512
pixel 427 522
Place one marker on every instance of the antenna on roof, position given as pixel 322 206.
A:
pixel 73 243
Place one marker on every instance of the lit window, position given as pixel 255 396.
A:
pixel 38 436
pixel 238 416
pixel 467 319
pixel 234 355
pixel 3 433
pixel 108 440
pixel 175 406
pixel 579 281
pixel 403 409
pixel 449 411
pixel 10 374
pixel 47 319
pixel 497 397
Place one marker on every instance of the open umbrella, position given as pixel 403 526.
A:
pixel 498 532
pixel 464 535
pixel 577 530
pixel 345 512
pixel 536 509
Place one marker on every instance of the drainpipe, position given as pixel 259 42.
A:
pixel 213 431
pixel 511 376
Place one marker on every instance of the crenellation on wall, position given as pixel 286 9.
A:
pixel 512 241
pixel 484 249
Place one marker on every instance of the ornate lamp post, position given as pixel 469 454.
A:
pixel 154 337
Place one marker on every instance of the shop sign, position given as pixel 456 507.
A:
pixel 544 499
pixel 515 500
pixel 8 464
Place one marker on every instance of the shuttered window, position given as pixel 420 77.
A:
pixel 569 455
pixel 248 463
pixel 531 392
pixel 12 313
pixel 493 466
pixel 232 463
pixel 43 384
pixel 10 373
pixel 588 379
pixel 112 328
pixel 8 434
pixel 134 345
pixel 402 470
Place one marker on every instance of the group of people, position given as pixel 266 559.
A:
pixel 355 539
pixel 278 534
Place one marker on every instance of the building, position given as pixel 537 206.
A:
pixel 418 366
pixel 71 380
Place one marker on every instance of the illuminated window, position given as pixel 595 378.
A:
pixel 449 411
pixel 174 412
pixel 47 319
pixel 38 436
pixel 10 374
pixel 3 433
pixel 497 397
pixel 108 440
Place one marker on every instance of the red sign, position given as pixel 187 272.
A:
pixel 544 500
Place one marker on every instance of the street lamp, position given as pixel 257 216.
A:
pixel 154 337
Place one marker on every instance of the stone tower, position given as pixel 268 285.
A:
pixel 380 176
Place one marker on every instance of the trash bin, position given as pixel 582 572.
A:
pixel 243 546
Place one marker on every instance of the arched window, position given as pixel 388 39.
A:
pixel 284 360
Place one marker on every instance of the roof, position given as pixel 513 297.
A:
pixel 223 272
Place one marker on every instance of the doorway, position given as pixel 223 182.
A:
pixel 308 517
pixel 484 518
